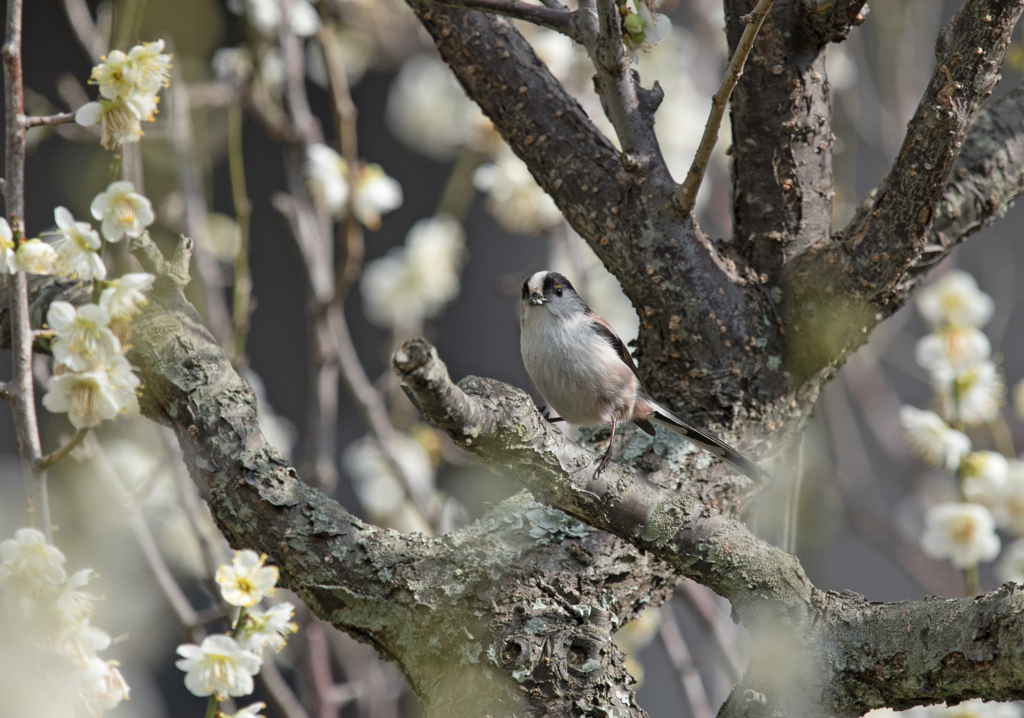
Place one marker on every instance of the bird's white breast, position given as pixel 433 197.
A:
pixel 577 371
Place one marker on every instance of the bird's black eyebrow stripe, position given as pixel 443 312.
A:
pixel 555 279
pixel 526 288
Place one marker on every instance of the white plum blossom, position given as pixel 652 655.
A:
pixel 973 395
pixel 265 15
pixel 1011 565
pixel 267 630
pixel 120 119
pixel 8 258
pixel 976 708
pixel 126 295
pixel 327 172
pixel 36 257
pixel 379 490
pixel 83 335
pixel 31 562
pixel 962 533
pixel 416 281
pixel 375 194
pixel 955 299
pixel 218 667
pixel 953 348
pixel 128 85
pixel 245 581
pixel 932 438
pixel 122 210
pixel 250 711
pixel 88 397
pixel 428 110
pixel 984 477
pixel 232 64
pixel 101 686
pixel 514 198
pixel 1009 510
pixel 78 248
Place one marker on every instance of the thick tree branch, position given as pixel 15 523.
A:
pixel 869 264
pixel 831 20
pixel 557 19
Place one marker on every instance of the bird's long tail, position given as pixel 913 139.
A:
pixel 709 442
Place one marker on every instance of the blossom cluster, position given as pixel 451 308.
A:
pixel 56 612
pixel 373 193
pixel 969 390
pixel 223 665
pixel 129 84
pixel 976 708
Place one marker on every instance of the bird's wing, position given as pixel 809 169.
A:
pixel 605 331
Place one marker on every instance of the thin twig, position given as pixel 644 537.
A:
pixel 702 606
pixel 279 693
pixel 85 29
pixel 560 20
pixel 690 682
pixel 295 87
pixel 241 296
pixel 350 232
pixel 321 675
pixel 22 391
pixel 188 620
pixel 59 119
pixel 686 193
pixel 51 459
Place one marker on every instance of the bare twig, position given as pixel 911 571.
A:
pixel 295 87
pixel 51 459
pixel 85 29
pixel 321 675
pixel 690 682
pixel 188 620
pixel 559 19
pixel 279 693
pixel 702 606
pixel 59 119
pixel 22 391
pixel 350 232
pixel 686 193
pixel 241 297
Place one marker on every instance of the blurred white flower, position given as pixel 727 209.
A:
pixel 973 395
pixel 1009 511
pixel 964 534
pixel 126 295
pixel 514 198
pixel 79 642
pixel 265 15
pixel 8 258
pixel 218 666
pixel 952 348
pixel 557 51
pixel 645 27
pixel 955 299
pixel 101 686
pixel 984 477
pixel 327 172
pixel 375 194
pixel 31 563
pixel 273 72
pixel 88 397
pixel 232 64
pixel 83 334
pixel 932 439
pixel 428 110
pixel 1011 565
pixel 267 630
pixel 976 708
pixel 250 711
pixel 416 281
pixel 36 257
pixel 277 430
pixel 75 605
pixel 381 492
pixel 123 211
pixel 245 581
pixel 77 249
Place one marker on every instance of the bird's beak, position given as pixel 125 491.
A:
pixel 537 298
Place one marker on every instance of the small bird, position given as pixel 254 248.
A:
pixel 586 374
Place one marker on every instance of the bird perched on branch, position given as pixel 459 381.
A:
pixel 586 374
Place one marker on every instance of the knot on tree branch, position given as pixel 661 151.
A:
pixel 173 270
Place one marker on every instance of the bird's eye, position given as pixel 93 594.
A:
pixel 558 291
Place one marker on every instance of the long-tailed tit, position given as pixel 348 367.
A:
pixel 585 373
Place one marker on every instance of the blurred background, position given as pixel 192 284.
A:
pixel 484 226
